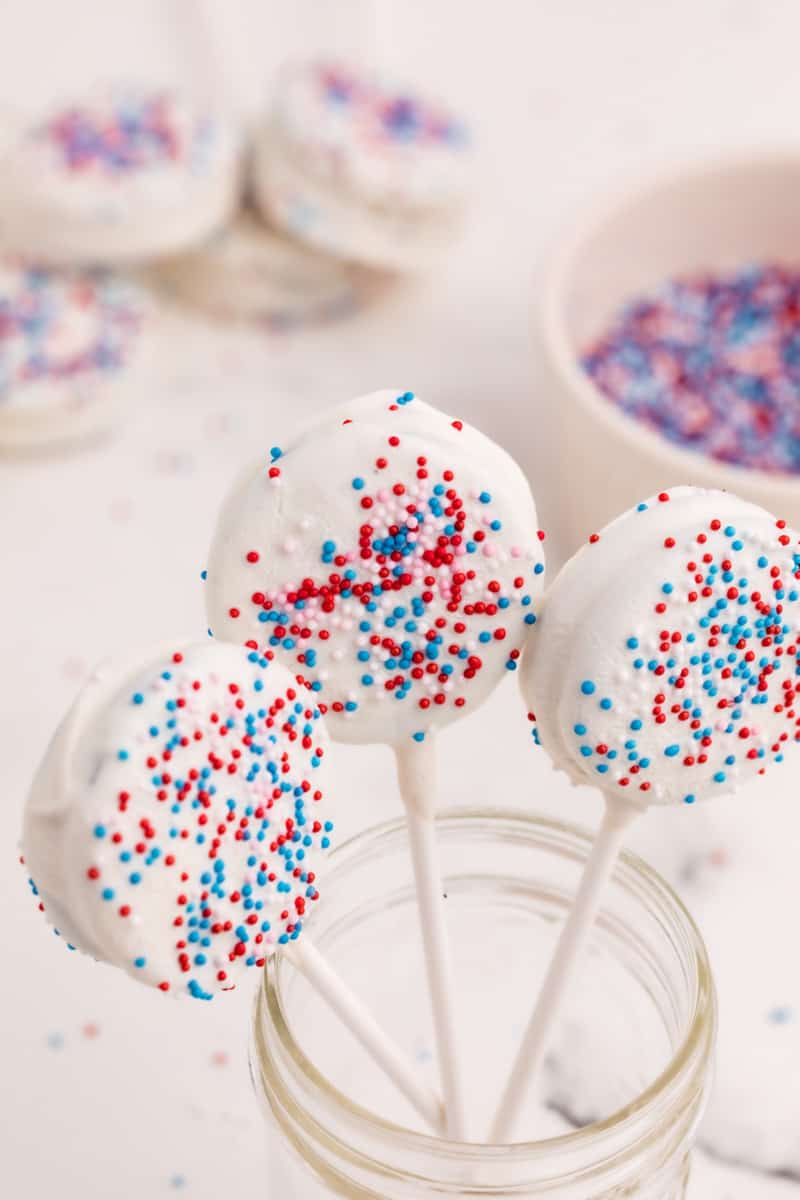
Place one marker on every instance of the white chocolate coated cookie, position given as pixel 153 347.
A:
pixel 70 346
pixel 361 168
pixel 664 669
pixel 390 555
pixel 174 827
pixel 125 173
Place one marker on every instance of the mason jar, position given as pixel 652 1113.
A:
pixel 615 1110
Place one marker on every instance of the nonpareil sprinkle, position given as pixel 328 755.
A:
pixel 712 362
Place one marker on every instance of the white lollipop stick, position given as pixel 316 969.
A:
pixel 304 955
pixel 358 480
pixel 354 30
pixel 416 770
pixel 617 818
pixel 218 51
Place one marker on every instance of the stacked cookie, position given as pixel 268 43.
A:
pixel 346 182
pixel 351 180
pixel 117 178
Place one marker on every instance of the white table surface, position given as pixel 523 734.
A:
pixel 113 1093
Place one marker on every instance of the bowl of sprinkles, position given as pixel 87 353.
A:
pixel 670 334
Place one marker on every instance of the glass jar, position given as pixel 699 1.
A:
pixel 615 1111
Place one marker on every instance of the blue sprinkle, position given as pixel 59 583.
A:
pixel 780 1016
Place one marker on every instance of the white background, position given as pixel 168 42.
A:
pixel 107 1091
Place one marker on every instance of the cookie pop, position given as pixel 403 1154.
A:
pixel 70 353
pixel 361 169
pixel 176 827
pixel 664 671
pixel 122 174
pixel 390 555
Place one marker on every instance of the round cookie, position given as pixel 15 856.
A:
pixel 361 169
pixel 390 555
pixel 176 824
pixel 247 271
pixel 124 174
pixel 665 665
pixel 67 346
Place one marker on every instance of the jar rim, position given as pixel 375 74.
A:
pixel 641 1111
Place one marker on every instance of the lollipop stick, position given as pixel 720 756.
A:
pixel 416 768
pixel 617 818
pixel 219 52
pixel 304 955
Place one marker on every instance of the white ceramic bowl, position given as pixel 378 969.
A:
pixel 720 216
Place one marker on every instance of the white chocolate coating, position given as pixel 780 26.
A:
pixel 70 346
pixel 173 822
pixel 664 666
pixel 361 168
pixel 125 173
pixel 390 555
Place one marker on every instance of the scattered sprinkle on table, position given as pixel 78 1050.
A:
pixel 781 1016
